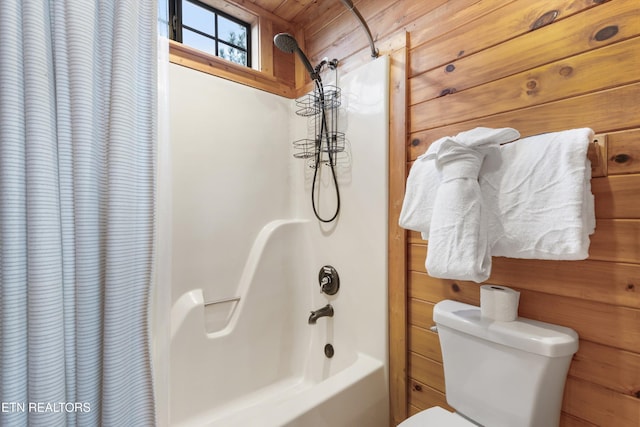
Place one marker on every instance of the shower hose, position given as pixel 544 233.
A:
pixel 324 132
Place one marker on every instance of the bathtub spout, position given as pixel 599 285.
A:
pixel 326 311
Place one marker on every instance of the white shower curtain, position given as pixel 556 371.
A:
pixel 77 191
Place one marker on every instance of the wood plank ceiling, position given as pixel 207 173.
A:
pixel 289 10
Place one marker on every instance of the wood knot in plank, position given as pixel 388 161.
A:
pixel 449 68
pixel 415 142
pixel 448 91
pixel 631 287
pixel 416 387
pixel 566 71
pixel 606 33
pixel 545 19
pixel 455 287
pixel 621 158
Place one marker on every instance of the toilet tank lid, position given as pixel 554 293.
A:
pixel 436 417
pixel 527 335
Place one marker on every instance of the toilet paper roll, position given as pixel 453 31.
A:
pixel 499 303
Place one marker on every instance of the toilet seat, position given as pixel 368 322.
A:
pixel 436 417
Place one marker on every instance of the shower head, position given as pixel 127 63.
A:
pixel 286 43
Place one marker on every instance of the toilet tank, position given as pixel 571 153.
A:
pixel 503 374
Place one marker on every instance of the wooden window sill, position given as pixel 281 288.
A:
pixel 192 58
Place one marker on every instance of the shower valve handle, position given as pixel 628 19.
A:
pixel 329 280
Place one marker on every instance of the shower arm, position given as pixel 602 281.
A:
pixel 349 5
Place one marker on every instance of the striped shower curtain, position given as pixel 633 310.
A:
pixel 77 190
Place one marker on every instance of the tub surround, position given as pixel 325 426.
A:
pixel 247 253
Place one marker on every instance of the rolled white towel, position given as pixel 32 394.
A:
pixel 458 239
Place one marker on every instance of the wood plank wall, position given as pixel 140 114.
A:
pixel 537 66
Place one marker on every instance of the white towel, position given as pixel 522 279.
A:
pixel 424 178
pixel 443 201
pixel 420 193
pixel 540 198
pixel 458 231
pixel 458 240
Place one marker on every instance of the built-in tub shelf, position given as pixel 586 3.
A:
pixel 218 313
pixel 221 301
pixel 221 315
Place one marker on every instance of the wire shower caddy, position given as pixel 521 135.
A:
pixel 321 105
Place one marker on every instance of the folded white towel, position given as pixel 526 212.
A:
pixel 424 178
pixel 420 193
pixel 540 198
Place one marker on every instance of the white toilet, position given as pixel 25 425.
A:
pixel 498 374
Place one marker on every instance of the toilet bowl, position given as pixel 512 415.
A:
pixel 498 374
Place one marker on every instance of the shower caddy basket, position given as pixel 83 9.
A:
pixel 328 143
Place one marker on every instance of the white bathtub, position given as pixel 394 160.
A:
pixel 257 362
pixel 353 397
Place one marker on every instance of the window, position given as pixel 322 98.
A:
pixel 206 28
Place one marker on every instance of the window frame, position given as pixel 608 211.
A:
pixel 176 25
